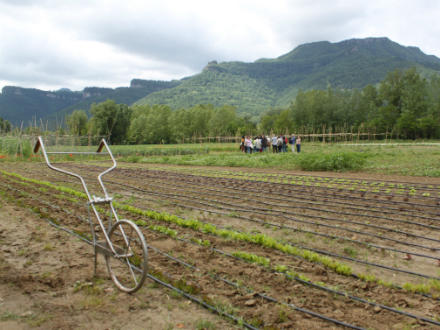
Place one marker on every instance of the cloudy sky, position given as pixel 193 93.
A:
pixel 49 44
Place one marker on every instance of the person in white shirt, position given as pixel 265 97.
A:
pixel 248 144
pixel 257 144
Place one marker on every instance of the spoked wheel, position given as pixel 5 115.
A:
pixel 128 268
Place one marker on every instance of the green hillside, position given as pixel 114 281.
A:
pixel 122 95
pixel 217 88
pixel 24 106
pixel 251 87
pixel 265 83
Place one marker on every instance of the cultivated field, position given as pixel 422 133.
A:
pixel 268 249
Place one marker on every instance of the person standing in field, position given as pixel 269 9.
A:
pixel 242 148
pixel 293 142
pixel 263 143
pixel 285 142
pixel 257 144
pixel 248 144
pixel 279 143
pixel 298 144
pixel 274 144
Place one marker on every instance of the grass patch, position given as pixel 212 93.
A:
pixel 338 161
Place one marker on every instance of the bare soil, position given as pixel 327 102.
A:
pixel 46 275
pixel 46 282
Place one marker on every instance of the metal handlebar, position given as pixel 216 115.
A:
pixel 103 144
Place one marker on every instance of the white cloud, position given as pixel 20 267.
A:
pixel 51 44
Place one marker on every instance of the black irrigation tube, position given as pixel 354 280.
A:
pixel 313 249
pixel 344 294
pixel 409 184
pixel 193 298
pixel 348 196
pixel 291 243
pixel 260 211
pixel 300 309
pixel 271 299
pixel 294 187
pixel 332 254
pixel 201 302
pixel 303 200
pixel 326 196
pixel 212 308
pixel 177 260
pixel 316 233
pixel 325 252
pixel 169 286
pixel 219 194
pixel 327 236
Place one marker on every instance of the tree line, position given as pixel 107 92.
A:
pixel 405 104
pixel 143 124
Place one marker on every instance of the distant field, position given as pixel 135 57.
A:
pixel 421 158
pixel 416 159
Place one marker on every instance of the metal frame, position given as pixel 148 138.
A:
pixel 106 248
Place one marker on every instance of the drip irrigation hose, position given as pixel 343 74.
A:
pixel 298 229
pixel 344 294
pixel 204 304
pixel 319 251
pixel 169 286
pixel 201 302
pixel 295 220
pixel 193 298
pixel 324 196
pixel 350 196
pixel 354 180
pixel 271 299
pixel 347 221
pixel 295 198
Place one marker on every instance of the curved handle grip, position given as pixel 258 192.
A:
pixel 101 146
pixel 37 146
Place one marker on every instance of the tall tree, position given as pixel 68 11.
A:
pixel 110 120
pixel 5 126
pixel 77 122
pixel 224 121
pixel 150 124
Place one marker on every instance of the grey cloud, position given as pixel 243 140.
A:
pixel 69 44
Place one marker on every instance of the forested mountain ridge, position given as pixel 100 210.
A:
pixel 27 105
pixel 252 88
pixel 257 86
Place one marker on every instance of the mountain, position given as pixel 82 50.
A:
pixel 25 106
pixel 252 87
pixel 265 83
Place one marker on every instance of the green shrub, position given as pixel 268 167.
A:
pixel 339 161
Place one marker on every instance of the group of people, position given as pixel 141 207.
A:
pixel 262 143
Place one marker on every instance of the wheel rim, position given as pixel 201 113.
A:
pixel 128 272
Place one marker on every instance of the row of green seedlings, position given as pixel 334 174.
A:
pixel 433 287
pixel 267 263
pixel 334 183
pixel 338 183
